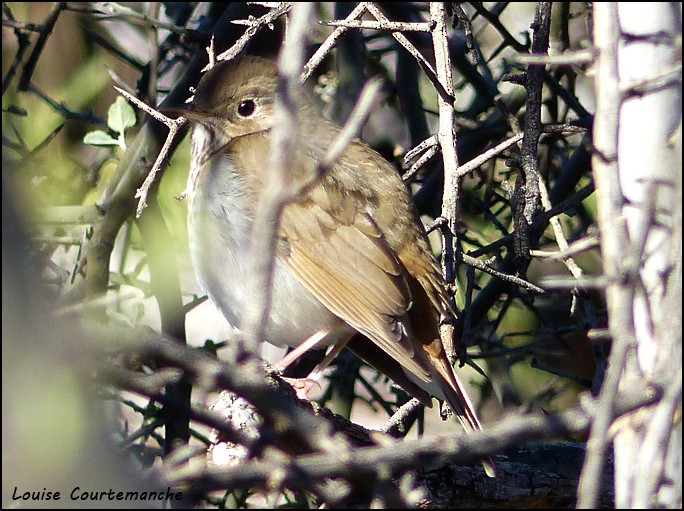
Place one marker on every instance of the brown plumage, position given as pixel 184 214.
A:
pixel 352 254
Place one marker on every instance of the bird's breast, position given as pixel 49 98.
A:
pixel 221 210
pixel 219 225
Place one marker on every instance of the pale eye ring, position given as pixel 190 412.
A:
pixel 246 108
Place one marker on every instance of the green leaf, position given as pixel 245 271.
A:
pixel 99 137
pixel 120 116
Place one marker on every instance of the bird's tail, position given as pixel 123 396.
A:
pixel 459 402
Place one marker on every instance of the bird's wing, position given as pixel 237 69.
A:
pixel 340 255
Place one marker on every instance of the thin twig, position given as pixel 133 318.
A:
pixel 116 10
pixel 174 126
pixel 354 124
pixel 21 26
pixel 428 148
pixel 278 191
pixel 461 18
pixel 422 61
pixel 656 440
pixel 62 109
pixel 654 83
pixel 154 54
pixel 569 58
pixel 540 220
pixel 114 47
pixel 119 81
pixel 476 263
pixel 488 155
pixel 560 235
pixel 599 282
pixel 577 247
pixel 429 142
pixel 45 31
pixel 424 158
pixel 24 43
pixel 329 43
pixel 254 27
pixel 391 26
pixel 496 23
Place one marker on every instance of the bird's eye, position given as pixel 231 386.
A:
pixel 246 107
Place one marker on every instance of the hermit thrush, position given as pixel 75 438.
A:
pixel 352 254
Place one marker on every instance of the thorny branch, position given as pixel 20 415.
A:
pixel 305 424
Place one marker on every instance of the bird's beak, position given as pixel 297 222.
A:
pixel 188 111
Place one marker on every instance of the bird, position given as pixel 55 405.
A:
pixel 352 256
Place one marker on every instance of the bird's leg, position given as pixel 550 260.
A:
pixel 308 344
pixel 329 357
pixel 302 386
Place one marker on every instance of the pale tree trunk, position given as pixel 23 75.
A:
pixel 638 170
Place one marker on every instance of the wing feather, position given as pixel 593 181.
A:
pixel 350 268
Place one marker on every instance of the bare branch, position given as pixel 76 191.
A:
pixel 354 124
pixel 253 27
pixel 278 190
pixel 613 239
pixel 447 141
pixel 488 155
pixel 329 43
pixel 533 128
pixel 174 125
pixel 392 26
pixel 565 59
pixel 422 61
pixel 476 263
pixel 116 10
pixel 579 246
